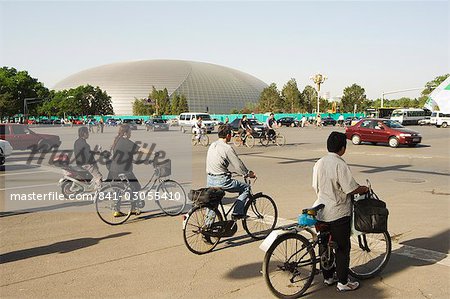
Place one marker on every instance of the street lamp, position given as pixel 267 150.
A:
pixel 318 80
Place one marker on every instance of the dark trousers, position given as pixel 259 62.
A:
pixel 340 233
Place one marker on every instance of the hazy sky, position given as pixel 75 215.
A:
pixel 382 46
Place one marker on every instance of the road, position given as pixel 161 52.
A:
pixel 62 249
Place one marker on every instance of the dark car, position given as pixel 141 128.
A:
pixel 328 121
pixel 21 137
pixel 46 121
pixel 379 130
pixel 156 124
pixel 254 124
pixel 131 122
pixel 288 122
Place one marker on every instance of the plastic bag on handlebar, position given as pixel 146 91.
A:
pixel 370 214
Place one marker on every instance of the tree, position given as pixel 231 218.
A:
pixel 184 107
pixel 354 94
pixel 15 86
pixel 161 100
pixel 142 107
pixel 83 100
pixel 175 105
pixel 291 96
pixel 431 85
pixel 308 98
pixel 270 99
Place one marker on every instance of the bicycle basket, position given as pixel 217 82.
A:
pixel 163 168
pixel 206 195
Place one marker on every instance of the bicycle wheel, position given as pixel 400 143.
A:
pixel 113 204
pixel 250 141
pixel 289 266
pixel 369 254
pixel 198 220
pixel 172 197
pixel 280 140
pixel 194 140
pixel 237 141
pixel 262 216
pixel 204 140
pixel 264 141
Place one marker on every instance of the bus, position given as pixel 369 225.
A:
pixel 410 116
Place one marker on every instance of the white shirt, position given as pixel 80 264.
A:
pixel 333 182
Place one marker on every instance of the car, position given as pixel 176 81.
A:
pixel 131 122
pixel 328 121
pixel 425 121
pixel 379 130
pixel 288 122
pixel 187 120
pixel 156 124
pixel 46 121
pixel 77 122
pixel 21 138
pixel 254 124
pixel 350 121
pixel 5 150
pixel 31 121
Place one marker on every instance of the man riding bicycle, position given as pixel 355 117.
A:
pixel 244 129
pixel 199 128
pixel 220 156
pixel 270 125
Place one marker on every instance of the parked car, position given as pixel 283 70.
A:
pixel 21 137
pixel 31 121
pixel 5 150
pixel 131 122
pixel 327 121
pixel 288 122
pixel 187 120
pixel 156 124
pixel 46 121
pixel 377 130
pixel 254 124
pixel 77 122
pixel 425 121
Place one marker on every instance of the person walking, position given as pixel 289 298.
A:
pixel 334 185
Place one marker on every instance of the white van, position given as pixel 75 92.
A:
pixel 440 119
pixel 187 120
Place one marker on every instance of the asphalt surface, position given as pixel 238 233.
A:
pixel 62 249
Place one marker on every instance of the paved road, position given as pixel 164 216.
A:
pixel 64 250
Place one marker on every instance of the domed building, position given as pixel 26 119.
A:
pixel 206 86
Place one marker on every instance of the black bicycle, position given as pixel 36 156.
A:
pixel 204 225
pixel 290 261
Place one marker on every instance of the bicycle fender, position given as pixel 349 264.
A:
pixel 273 236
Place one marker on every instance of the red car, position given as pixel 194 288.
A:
pixel 382 131
pixel 21 137
pixel 77 122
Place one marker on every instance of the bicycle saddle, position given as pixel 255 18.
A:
pixel 313 211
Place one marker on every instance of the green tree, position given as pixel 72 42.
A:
pixel 291 96
pixel 184 107
pixel 161 100
pixel 354 94
pixel 175 105
pixel 15 86
pixel 431 85
pixel 270 99
pixel 142 107
pixel 308 99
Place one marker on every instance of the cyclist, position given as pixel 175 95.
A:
pixel 334 186
pixel 341 120
pixel 319 121
pixel 270 125
pixel 198 128
pixel 220 156
pixel 84 157
pixel 244 129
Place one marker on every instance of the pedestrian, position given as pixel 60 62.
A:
pixel 334 185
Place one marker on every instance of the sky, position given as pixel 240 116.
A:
pixel 382 46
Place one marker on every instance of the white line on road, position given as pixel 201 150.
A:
pixel 28 186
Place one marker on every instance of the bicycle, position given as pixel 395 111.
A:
pixel 204 225
pixel 117 197
pixel 201 138
pixel 244 138
pixel 292 257
pixel 276 138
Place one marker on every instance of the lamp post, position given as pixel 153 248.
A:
pixel 318 80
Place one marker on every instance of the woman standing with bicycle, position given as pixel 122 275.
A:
pixel 334 186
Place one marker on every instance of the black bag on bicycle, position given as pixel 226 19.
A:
pixel 206 195
pixel 370 214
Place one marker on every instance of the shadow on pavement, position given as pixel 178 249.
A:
pixel 46 208
pixel 234 242
pixel 59 247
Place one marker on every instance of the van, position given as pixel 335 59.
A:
pixel 187 120
pixel 440 119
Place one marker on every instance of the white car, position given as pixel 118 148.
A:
pixel 5 150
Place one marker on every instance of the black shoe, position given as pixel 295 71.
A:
pixel 238 216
